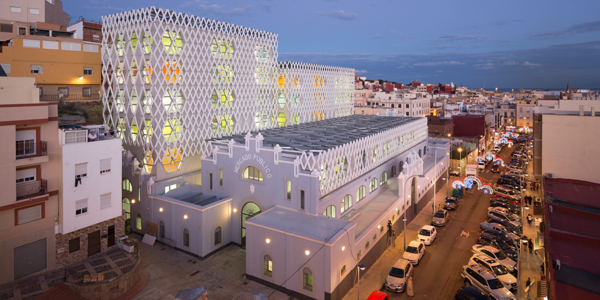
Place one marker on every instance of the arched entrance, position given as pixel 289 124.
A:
pixel 249 210
pixel 127 209
pixel 413 194
pixel 393 171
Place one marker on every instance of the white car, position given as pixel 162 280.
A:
pixel 504 214
pixel 399 275
pixel 414 252
pixel 508 280
pixel 499 255
pixel 427 234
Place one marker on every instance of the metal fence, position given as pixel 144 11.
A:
pixel 70 97
pixel 30 148
pixel 32 188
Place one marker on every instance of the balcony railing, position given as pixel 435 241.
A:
pixel 30 148
pixel 32 189
pixel 70 97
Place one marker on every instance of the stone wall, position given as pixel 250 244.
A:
pixel 90 109
pixel 63 257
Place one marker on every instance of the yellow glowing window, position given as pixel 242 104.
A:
pixel 172 129
pixel 134 131
pixel 119 74
pixel 173 42
pixel 134 71
pixel 318 115
pixel 222 48
pixel 172 72
pixel 222 99
pixel 281 119
pixel 120 128
pixel 172 160
pixel 148 162
pixel 120 44
pixel 133 102
pixel 173 101
pixel 134 41
pixel 222 74
pixel 261 75
pixel 147 42
pixel 120 100
pixel 147 131
pixel 374 154
pixel 253 173
pixel 295 118
pixel 281 81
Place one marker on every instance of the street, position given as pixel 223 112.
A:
pixel 438 274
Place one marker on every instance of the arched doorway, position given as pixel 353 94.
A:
pixel 249 210
pixel 393 171
pixel 127 209
pixel 413 194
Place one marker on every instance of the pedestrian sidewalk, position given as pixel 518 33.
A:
pixel 372 279
pixel 530 262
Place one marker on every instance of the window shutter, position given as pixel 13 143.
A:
pixel 81 204
pixel 105 164
pixel 105 201
pixel 81 169
pixel 29 214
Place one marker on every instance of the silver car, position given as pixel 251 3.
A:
pixel 498 255
pixel 399 275
pixel 440 218
pixel 485 281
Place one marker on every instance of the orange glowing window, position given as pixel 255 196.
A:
pixel 281 81
pixel 172 160
pixel 172 70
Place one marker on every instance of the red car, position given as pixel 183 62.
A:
pixel 378 295
pixel 507 200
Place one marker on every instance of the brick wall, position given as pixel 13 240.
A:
pixel 88 33
pixel 63 257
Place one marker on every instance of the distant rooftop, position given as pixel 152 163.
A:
pixel 317 228
pixel 326 134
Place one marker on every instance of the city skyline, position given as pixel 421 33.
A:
pixel 499 45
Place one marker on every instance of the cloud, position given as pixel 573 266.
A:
pixel 511 63
pixel 532 65
pixel 362 71
pixel 439 71
pixel 220 10
pixel 459 37
pixel 376 37
pixel 585 27
pixel 339 14
pixel 105 8
pixel 438 63
pixel 399 35
pixel 486 66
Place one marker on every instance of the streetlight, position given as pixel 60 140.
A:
pixel 359 267
pixel 459 160
pixel 404 219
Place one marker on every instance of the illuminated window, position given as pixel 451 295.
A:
pixel 147 72
pixel 121 128
pixel 133 71
pixel 172 72
pixel 222 98
pixel 222 124
pixel 318 82
pixel 384 177
pixel 222 48
pixel 120 44
pixel 262 75
pixel 268 266
pixel 172 130
pixel 295 118
pixel 317 115
pixel 222 74
pixel 173 101
pixel 341 166
pixel 261 53
pixel 295 100
pixel 374 154
pixel 134 41
pixel 147 131
pixel 147 42
pixel 253 173
pixel 261 119
pixel 346 203
pixel 361 193
pixel 281 119
pixel 120 101
pixel 281 82
pixel 134 131
pixel 294 81
pixel 148 162
pixel 173 42
pixel 127 186
pixel 307 279
pixel 147 102
pixel 323 175
pixel 172 160
pixel 281 100
pixel 133 102
pixel 330 211
pixel 119 73
pixel 373 186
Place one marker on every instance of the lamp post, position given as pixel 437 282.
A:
pixel 404 218
pixel 359 267
pixel 460 160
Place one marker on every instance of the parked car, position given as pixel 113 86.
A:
pixel 493 226
pixel 502 213
pixel 505 190
pixel 483 280
pixel 440 218
pixel 414 252
pixel 508 225
pixel 505 200
pixel 507 196
pixel 398 275
pixel 511 207
pixel 514 172
pixel 454 172
pixel 508 280
pixel 498 243
pixel 508 239
pixel 451 204
pixel 497 254
pixel 481 165
pixel 470 293
pixel 496 168
pixel 502 181
pixel 427 234
pixel 378 295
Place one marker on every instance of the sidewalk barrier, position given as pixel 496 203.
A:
pixel 409 287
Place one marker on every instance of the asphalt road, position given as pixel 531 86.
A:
pixel 438 274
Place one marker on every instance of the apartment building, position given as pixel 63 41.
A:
pixel 29 180
pixel 64 68
pixel 524 110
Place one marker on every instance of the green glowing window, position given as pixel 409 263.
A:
pixel 173 42
pixel 133 102
pixel 147 42
pixel 134 130
pixel 281 100
pixel 222 98
pixel 120 44
pixel 172 129
pixel 134 41
pixel 261 119
pixel 147 131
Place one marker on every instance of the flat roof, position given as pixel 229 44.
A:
pixel 573 191
pixel 325 134
pixel 318 228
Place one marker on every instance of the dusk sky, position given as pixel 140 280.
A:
pixel 504 44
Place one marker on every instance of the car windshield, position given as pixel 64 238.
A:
pixel 411 249
pixel 495 284
pixel 424 232
pixel 450 201
pixel 500 255
pixel 439 214
pixel 398 273
pixel 500 270
pixel 512 217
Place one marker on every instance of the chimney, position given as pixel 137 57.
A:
pixel 581 110
pixel 593 111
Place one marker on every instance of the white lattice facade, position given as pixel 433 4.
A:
pixel 173 80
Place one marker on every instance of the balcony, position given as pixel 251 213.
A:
pixel 70 97
pixel 29 148
pixel 31 189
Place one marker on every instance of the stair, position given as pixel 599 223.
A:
pixel 60 292
pixel 136 289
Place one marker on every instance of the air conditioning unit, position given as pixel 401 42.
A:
pixel 550 175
